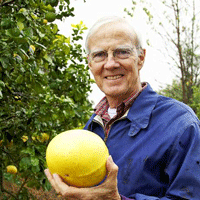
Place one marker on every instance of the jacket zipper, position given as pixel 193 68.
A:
pixel 105 138
pixel 106 135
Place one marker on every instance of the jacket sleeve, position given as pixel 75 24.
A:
pixel 183 168
pixel 125 198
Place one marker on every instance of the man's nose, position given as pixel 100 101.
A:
pixel 111 62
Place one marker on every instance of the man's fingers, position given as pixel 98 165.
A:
pixel 64 189
pixel 51 180
pixel 112 169
pixel 58 180
pixel 48 175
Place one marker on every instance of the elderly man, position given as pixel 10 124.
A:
pixel 154 141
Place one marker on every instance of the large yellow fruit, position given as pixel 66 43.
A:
pixel 79 157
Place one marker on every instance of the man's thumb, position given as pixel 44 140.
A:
pixel 112 168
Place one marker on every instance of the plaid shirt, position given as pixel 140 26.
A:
pixel 102 109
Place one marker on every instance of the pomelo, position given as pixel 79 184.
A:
pixel 79 157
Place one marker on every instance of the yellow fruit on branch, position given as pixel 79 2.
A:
pixel 24 138
pixel 45 21
pixel 33 138
pixel 11 169
pixel 79 157
pixel 31 49
pixel 45 136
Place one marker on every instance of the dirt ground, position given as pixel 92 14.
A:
pixel 39 194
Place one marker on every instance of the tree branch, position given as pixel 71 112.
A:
pixel 25 181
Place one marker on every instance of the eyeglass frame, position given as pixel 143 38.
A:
pixel 129 49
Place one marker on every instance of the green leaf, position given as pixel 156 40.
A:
pixel 28 32
pixel 1 94
pixel 134 2
pixel 6 23
pixel 41 35
pixel 47 58
pixel 54 28
pixel 20 17
pixel 14 32
pixel 29 151
pixel 37 86
pixel 23 11
pixel 4 61
pixel 20 25
pixel 40 45
pixel 22 50
pixel 20 41
pixel 2 84
pixel 35 168
pixel 25 163
pixel 67 40
pixel 47 185
pixel 34 161
pixel 19 79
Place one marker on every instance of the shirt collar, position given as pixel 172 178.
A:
pixel 102 107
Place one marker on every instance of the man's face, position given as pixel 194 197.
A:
pixel 114 61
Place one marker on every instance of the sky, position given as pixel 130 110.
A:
pixel 155 70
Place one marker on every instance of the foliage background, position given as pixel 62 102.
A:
pixel 44 85
pixel 176 23
pixel 44 80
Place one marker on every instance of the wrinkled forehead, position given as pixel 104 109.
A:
pixel 113 30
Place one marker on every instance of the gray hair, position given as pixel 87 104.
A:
pixel 112 19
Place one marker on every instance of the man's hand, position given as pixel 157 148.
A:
pixel 107 190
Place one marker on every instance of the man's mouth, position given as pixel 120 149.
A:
pixel 114 77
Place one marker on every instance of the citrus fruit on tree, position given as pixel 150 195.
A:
pixel 45 21
pixel 79 157
pixel 24 138
pixel 31 49
pixel 50 16
pixel 11 169
pixel 42 138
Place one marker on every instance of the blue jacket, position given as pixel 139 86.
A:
pixel 156 146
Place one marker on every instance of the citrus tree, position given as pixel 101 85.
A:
pixel 44 85
pixel 176 22
pixel 174 90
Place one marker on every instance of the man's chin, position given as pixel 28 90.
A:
pixel 116 94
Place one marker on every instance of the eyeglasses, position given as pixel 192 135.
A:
pixel 119 53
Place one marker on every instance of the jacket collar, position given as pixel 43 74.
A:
pixel 140 112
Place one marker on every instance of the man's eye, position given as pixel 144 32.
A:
pixel 99 55
pixel 122 53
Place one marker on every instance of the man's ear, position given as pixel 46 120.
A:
pixel 141 58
